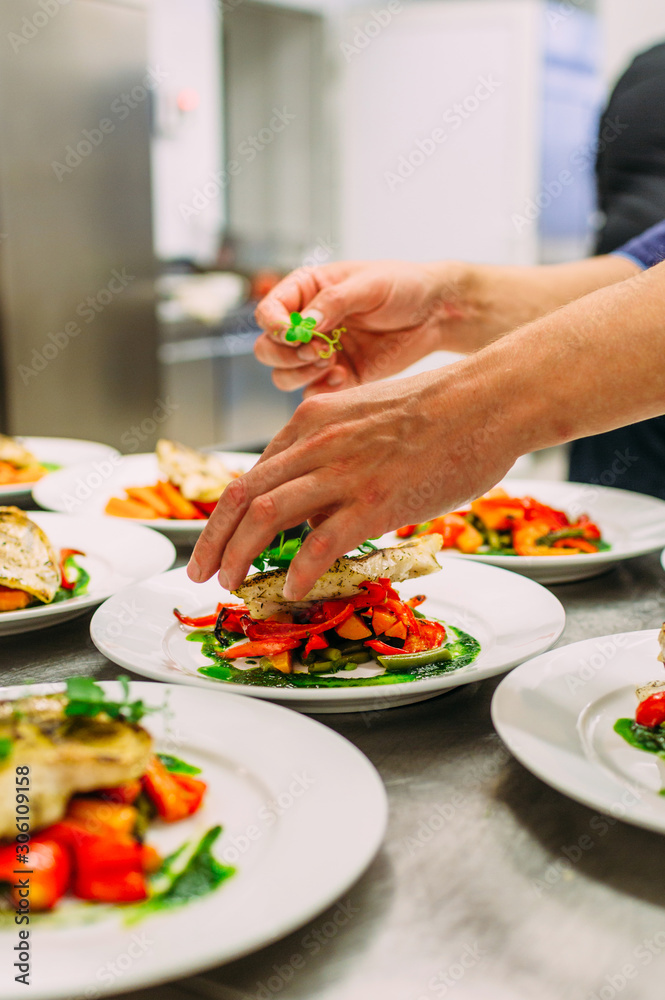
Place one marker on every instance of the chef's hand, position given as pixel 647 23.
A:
pixel 392 312
pixel 357 464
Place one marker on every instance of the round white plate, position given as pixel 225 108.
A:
pixel 116 556
pixel 56 451
pixel 303 811
pixel 87 488
pixel 513 618
pixel 632 523
pixel 556 715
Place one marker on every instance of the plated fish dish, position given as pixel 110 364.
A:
pixel 191 483
pixel 498 524
pixel 352 630
pixel 83 772
pixel 18 465
pixel 31 572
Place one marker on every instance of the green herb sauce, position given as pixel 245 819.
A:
pixel 177 883
pixel 464 650
pixel 641 737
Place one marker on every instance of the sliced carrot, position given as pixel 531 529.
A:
pixel 129 508
pixel 181 509
pixel 13 600
pixel 149 496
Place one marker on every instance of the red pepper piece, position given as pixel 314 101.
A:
pixel 315 642
pixel 406 531
pixel 261 647
pixel 110 870
pixel 204 620
pixel 66 554
pixel 283 630
pixel 575 543
pixel 651 711
pixel 175 796
pixel 48 871
pixel 125 794
pixel 382 648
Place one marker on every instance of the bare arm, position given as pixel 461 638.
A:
pixel 364 461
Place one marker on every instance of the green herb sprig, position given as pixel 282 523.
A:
pixel 86 698
pixel 302 329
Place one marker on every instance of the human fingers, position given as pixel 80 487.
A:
pixel 339 533
pixel 268 514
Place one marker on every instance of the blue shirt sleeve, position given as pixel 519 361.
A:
pixel 646 250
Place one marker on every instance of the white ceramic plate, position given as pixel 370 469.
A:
pixel 87 488
pixel 632 523
pixel 56 451
pixel 116 556
pixel 283 787
pixel 556 715
pixel 513 618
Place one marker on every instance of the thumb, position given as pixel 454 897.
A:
pixel 354 296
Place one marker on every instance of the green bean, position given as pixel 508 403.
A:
pixel 363 656
pixel 405 661
pixel 330 654
pixel 322 667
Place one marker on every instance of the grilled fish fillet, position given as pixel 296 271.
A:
pixel 12 451
pixel 198 475
pixel 65 755
pixel 27 559
pixel 263 593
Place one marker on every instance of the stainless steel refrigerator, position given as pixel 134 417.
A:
pixel 78 334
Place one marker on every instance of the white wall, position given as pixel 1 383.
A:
pixel 184 40
pixel 405 194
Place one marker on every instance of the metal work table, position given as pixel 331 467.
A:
pixel 479 891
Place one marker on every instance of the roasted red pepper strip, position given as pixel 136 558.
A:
pixel 205 619
pixel 283 630
pixel 66 554
pixel 651 711
pixel 382 648
pixel 173 798
pixel 270 646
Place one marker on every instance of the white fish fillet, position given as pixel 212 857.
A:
pixel 263 593
pixel 27 559
pixel 661 643
pixel 198 475
pixel 653 687
pixel 65 755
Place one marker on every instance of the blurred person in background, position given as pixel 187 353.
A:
pixel 630 175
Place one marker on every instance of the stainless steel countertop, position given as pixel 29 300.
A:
pixel 481 890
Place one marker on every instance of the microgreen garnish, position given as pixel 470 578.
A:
pixel 87 698
pixel 6 746
pixel 302 329
pixel 280 555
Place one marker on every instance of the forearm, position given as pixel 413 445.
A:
pixel 480 303
pixel 592 366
